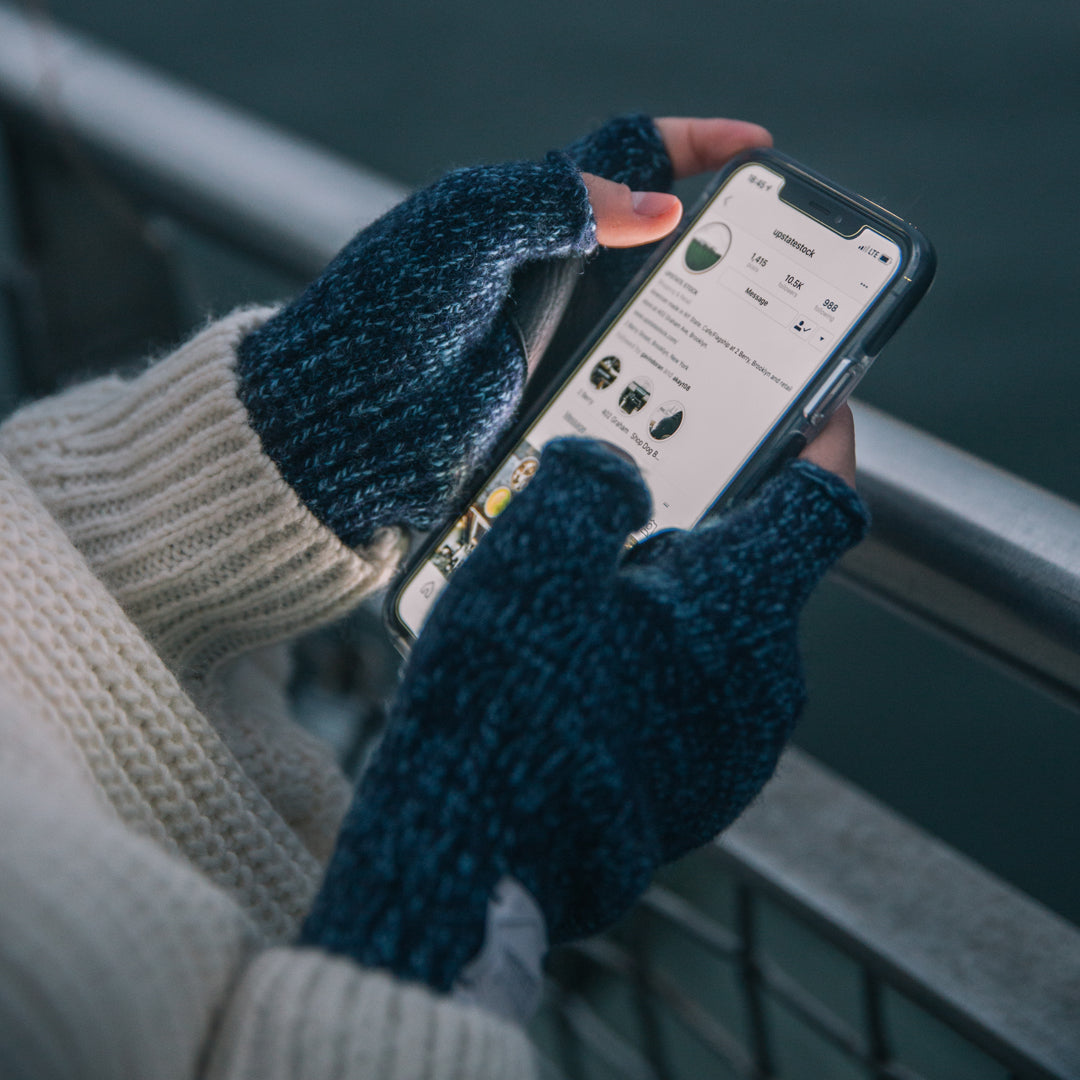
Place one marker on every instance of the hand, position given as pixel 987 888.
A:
pixel 381 389
pixel 692 146
pixel 643 155
pixel 834 448
pixel 571 717
pixel 689 147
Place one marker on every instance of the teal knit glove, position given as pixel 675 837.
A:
pixel 381 390
pixel 572 717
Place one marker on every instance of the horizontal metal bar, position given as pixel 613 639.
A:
pixel 994 964
pixel 973 551
pixel 970 550
pixel 690 1013
pixel 235 176
pixel 598 1035
pixel 680 912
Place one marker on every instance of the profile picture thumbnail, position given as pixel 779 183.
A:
pixel 707 247
pixel 605 372
pixel 523 473
pixel 461 541
pixel 666 420
pixel 497 502
pixel 635 396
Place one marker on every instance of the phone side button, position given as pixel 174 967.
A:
pixel 794 446
pixel 814 410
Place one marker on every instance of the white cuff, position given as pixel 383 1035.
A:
pixel 506 975
pixel 163 486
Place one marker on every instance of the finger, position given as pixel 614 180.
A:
pixel 697 145
pixel 834 447
pixel 626 218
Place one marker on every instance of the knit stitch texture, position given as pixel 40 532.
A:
pixel 150 874
pixel 574 718
pixel 163 487
pixel 381 389
pixel 627 150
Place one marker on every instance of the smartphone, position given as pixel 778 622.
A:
pixel 722 358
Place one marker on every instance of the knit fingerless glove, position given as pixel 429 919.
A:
pixel 628 150
pixel 379 391
pixel 572 717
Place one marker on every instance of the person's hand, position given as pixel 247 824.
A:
pixel 643 155
pixel 834 447
pixel 670 148
pixel 381 389
pixel 572 716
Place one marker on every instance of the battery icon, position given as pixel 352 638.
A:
pixel 883 258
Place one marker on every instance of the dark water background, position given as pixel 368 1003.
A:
pixel 961 116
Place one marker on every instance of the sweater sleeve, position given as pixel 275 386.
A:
pixel 302 1013
pixel 162 484
pixel 119 960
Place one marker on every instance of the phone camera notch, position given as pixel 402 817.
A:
pixel 827 213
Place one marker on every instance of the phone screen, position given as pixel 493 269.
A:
pixel 700 366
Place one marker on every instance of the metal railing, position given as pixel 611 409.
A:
pixel 971 551
pixel 920 930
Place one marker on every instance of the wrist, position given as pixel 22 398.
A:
pixel 418 857
pixel 505 976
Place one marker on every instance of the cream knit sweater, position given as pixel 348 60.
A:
pixel 162 824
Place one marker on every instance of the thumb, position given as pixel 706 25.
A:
pixel 626 218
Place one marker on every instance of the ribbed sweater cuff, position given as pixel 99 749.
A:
pixel 300 1013
pixel 163 486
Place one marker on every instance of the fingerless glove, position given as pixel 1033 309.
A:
pixel 381 389
pixel 572 717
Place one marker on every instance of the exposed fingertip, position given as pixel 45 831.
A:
pixel 834 447
pixel 653 204
pixel 698 144
pixel 754 134
pixel 626 218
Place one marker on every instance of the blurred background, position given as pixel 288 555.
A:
pixel 963 117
